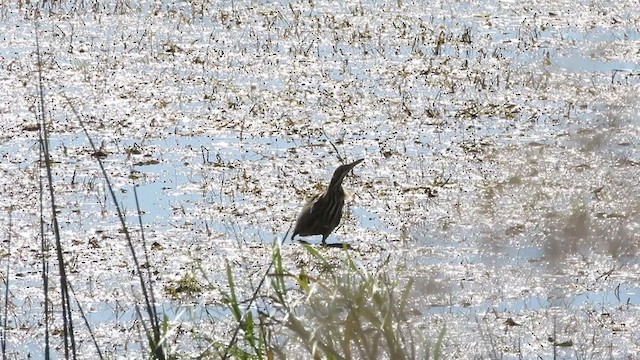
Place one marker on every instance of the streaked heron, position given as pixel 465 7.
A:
pixel 322 214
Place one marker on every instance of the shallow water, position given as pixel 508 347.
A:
pixel 501 146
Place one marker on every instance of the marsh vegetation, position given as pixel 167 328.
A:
pixel 496 214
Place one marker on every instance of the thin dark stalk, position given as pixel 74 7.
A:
pixel 340 158
pixel 150 309
pixel 152 342
pixel 86 322
pixel 156 349
pixel 6 289
pixel 44 249
pixel 69 338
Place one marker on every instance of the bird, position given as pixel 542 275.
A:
pixel 322 214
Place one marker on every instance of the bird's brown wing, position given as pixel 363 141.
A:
pixel 313 204
pixel 308 220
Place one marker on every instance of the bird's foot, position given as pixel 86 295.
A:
pixel 328 245
pixel 344 246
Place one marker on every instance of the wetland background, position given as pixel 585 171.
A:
pixel 496 214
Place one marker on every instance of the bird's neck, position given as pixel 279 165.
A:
pixel 335 188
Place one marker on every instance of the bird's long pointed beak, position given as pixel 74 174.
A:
pixel 353 164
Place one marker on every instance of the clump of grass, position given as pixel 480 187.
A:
pixel 355 313
pixel 344 313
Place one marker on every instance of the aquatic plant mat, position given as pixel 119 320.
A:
pixel 155 154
